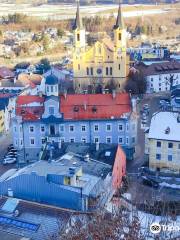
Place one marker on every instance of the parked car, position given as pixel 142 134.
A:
pixel 9 160
pixel 12 151
pixel 149 182
pixel 146 106
pixel 10 147
pixel 11 155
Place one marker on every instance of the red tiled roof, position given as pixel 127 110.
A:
pixel 6 73
pixel 22 100
pixel 91 106
pixel 30 113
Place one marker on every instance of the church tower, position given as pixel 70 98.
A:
pixel 119 31
pixel 120 57
pixel 78 30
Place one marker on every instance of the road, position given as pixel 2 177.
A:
pixel 5 140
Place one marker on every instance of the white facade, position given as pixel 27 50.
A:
pixel 159 82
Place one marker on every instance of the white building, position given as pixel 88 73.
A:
pixel 161 77
pixel 162 144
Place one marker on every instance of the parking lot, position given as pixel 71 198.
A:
pixel 5 141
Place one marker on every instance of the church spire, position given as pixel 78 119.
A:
pixel 119 21
pixel 78 21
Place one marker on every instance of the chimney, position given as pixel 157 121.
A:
pixel 97 146
pixel 178 117
pixel 113 93
pixel 85 106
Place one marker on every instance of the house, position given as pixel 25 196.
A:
pixel 72 182
pixel 6 74
pixel 85 118
pixel 103 62
pixel 161 76
pixel 4 115
pixel 163 142
pixel 175 98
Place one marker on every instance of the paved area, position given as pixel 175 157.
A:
pixel 5 140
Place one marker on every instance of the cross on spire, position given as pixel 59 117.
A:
pixel 78 21
pixel 119 21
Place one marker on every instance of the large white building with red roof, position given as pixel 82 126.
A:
pixel 79 118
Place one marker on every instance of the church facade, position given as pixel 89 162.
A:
pixel 105 62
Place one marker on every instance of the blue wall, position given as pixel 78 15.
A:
pixel 36 188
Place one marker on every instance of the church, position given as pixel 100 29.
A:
pixel 105 63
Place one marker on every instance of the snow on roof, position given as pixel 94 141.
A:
pixel 165 126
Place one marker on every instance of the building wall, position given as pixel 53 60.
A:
pixel 63 132
pixel 164 152
pixel 1 121
pixel 157 83
pixel 119 168
pixel 90 64
pixel 42 191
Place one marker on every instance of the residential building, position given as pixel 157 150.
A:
pixel 86 118
pixel 161 76
pixel 175 98
pixel 4 115
pixel 72 181
pixel 103 63
pixel 163 142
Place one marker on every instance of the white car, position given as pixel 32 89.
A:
pixel 9 160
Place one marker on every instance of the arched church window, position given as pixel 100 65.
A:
pixel 87 70
pixel 78 37
pixel 107 71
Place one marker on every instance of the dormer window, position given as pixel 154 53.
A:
pixel 51 110
pixel 167 131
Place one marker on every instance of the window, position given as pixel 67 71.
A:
pixel 15 129
pixel 110 70
pixel 119 36
pixel 91 71
pixel 96 140
pixel 108 127
pixel 31 129
pixel 169 157
pixel 127 127
pixel 51 110
pixel 133 139
pixel 108 140
pixel 170 145
pixel 20 128
pixel 32 141
pixel 120 127
pixel 151 79
pixel 107 71
pixel 159 84
pixel 83 139
pixel 52 89
pixel 71 128
pixel 87 70
pixel 21 142
pixel 78 37
pixel 83 128
pixel 71 140
pixel 47 88
pixel 96 128
pixel 179 146
pixel 127 140
pixel 119 66
pixel 158 144
pixel 159 89
pixel 79 67
pixel 120 140
pixel 158 156
pixel 52 130
pixel 42 128
pixel 61 128
pixel 43 140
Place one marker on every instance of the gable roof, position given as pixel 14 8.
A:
pixel 23 100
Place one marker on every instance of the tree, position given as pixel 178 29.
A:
pixel 136 82
pixel 44 65
pixel 170 80
pixel 46 42
pixel 60 32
